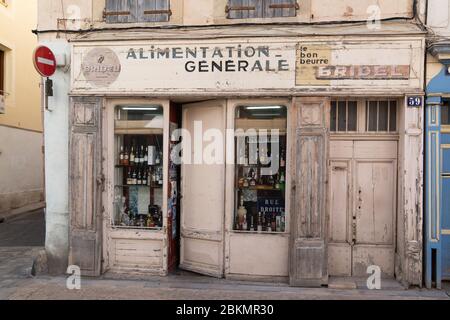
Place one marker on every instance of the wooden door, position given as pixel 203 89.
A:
pixel 85 184
pixel 363 180
pixel 203 193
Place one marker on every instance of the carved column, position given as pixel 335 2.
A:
pixel 309 155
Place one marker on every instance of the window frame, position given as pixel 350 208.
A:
pixel 234 200
pixel 264 7
pixel 137 13
pixel 362 117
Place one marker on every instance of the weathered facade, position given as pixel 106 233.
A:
pixel 348 190
pixel 437 225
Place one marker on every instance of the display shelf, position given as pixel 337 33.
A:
pixel 138 185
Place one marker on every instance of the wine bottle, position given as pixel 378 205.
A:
pixel 132 156
pixel 146 155
pixel 121 156
pixel 126 158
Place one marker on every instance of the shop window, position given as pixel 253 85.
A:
pixel 344 116
pixel 445 113
pixel 260 171
pixel 381 116
pixel 139 167
pixel 247 9
pixel 129 11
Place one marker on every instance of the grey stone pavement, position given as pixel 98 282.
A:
pixel 22 238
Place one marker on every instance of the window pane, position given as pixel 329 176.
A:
pixel 383 112
pixel 260 184
pixel 342 116
pixel 333 116
pixel 393 116
pixel 139 167
pixel 352 116
pixel 445 119
pixel 372 115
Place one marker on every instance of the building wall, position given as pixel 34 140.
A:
pixel 56 17
pixel 73 14
pixel 21 159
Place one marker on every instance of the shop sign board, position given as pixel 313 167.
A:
pixel 245 65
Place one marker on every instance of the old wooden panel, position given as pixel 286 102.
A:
pixel 376 149
pixel 83 181
pixel 341 149
pixel 85 184
pixel 310 155
pixel 340 259
pixel 143 254
pixel 339 201
pixel 153 10
pixel 259 254
pixel 375 202
pixel 308 263
pixel 203 192
pixel 381 256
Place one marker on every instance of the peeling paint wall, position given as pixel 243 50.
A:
pixel 83 14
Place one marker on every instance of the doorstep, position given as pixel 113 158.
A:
pixel 353 283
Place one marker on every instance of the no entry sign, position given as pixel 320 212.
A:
pixel 44 61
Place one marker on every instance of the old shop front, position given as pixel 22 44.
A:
pixel 316 167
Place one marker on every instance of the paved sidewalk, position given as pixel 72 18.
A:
pixel 199 288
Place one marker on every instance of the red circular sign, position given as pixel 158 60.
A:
pixel 44 61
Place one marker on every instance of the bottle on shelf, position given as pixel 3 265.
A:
pixel 252 178
pixel 121 156
pixel 132 156
pixel 145 177
pixel 242 212
pixel 244 224
pixel 282 159
pixel 146 155
pixel 126 157
pixel 129 177
pixel 277 183
pixel 268 224
pixel 139 177
pixel 282 181
pixel 134 177
pixel 260 223
pixel 158 158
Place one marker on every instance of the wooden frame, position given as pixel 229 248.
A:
pixel 157 240
pixel 278 272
